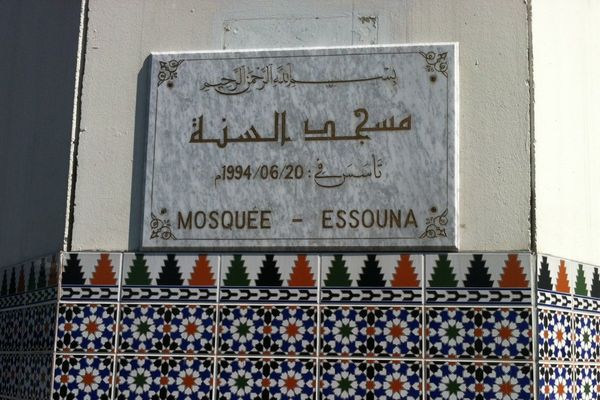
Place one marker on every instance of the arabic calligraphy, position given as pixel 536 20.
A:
pixel 369 169
pixel 247 78
pixel 279 135
pixel 250 135
pixel 323 177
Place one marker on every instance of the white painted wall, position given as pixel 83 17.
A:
pixel 38 43
pixel 494 95
pixel 566 54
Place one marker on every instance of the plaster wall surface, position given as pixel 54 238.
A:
pixel 38 43
pixel 566 43
pixel 494 179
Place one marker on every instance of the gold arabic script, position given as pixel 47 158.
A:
pixel 280 135
pixel 246 78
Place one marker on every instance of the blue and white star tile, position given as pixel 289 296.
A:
pixel 370 379
pixel 83 377
pixel 456 381
pixel 167 329
pixel 266 378
pixel 166 377
pixel 86 328
pixel 371 331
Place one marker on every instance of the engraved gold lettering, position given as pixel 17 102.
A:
pixel 252 219
pixel 368 218
pixel 224 219
pixel 187 224
pixel 410 219
pixel 229 223
pixel 371 220
pixel 380 223
pixel 327 219
pixel 395 218
pixel 341 220
pixel 354 217
pixel 265 219
pixel 214 219
pixel 240 220
pixel 198 214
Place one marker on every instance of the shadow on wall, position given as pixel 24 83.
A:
pixel 139 151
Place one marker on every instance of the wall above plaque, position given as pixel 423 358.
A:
pixel 320 148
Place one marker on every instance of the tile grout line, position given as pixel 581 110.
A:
pixel 423 327
pixel 117 342
pixel 217 330
pixel 61 256
pixel 317 385
pixel 534 323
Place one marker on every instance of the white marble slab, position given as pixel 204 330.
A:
pixel 319 148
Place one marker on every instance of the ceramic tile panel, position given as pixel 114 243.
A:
pixel 152 377
pixel 370 379
pixel 83 377
pixel 35 377
pixel 86 328
pixel 554 334
pixel 479 333
pixel 586 288
pixel 28 328
pixel 373 331
pixel 165 329
pixel 586 382
pixel 25 376
pixel 38 328
pixel 586 336
pixel 11 375
pixel 555 279
pixel 269 278
pixel 183 277
pixel 247 326
pixel 460 278
pixel 555 381
pixel 12 322
pixel 90 276
pixel 266 378
pixel 31 282
pixel 479 380
pixel 268 330
pixel 372 278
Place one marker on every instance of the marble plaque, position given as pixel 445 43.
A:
pixel 315 148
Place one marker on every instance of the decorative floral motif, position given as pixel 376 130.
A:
pixel 167 329
pixel 456 381
pixel 436 62
pixel 358 380
pixel 82 377
pixel 435 225
pixel 587 385
pixel 161 228
pixel 86 327
pixel 371 331
pixel 164 378
pixel 554 330
pixel 168 70
pixel 250 379
pixel 479 333
pixel 267 330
